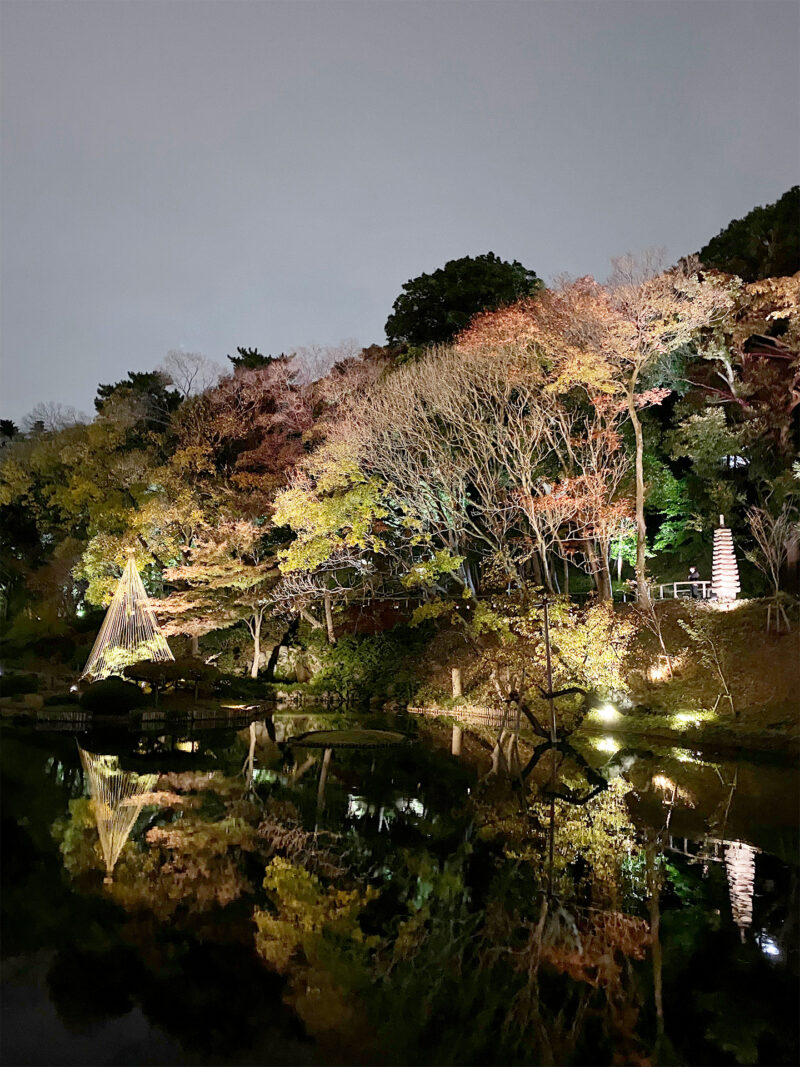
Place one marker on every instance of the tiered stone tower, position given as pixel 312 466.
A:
pixel 725 571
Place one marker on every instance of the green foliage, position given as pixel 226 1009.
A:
pixel 489 620
pixel 117 658
pixel 669 496
pixel 150 388
pixel 373 666
pixel 706 440
pixel 763 244
pixel 433 308
pixel 433 609
pixel 252 359
pixel 426 573
pixel 39 629
pixel 590 643
pixel 593 644
pixel 336 510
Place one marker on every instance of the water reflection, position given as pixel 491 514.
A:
pixel 400 894
pixel 118 797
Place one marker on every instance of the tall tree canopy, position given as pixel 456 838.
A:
pixel 433 308
pixel 764 244
pixel 252 359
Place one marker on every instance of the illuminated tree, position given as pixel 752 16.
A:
pixel 227 577
pixel 614 341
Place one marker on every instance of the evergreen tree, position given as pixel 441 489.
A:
pixel 764 244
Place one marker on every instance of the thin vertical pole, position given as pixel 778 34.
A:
pixel 553 741
pixel 553 733
pixel 552 842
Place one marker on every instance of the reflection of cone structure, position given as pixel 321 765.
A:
pixel 117 798
pixel 130 631
pixel 725 572
pixel 740 866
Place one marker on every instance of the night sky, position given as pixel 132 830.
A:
pixel 206 175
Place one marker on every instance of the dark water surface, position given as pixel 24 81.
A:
pixel 161 967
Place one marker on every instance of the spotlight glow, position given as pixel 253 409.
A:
pixel 607 744
pixel 768 946
pixel 608 713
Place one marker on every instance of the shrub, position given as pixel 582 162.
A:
pixel 113 696
pixel 12 685
pixel 155 674
pixel 59 700
pixel 375 666
pixel 194 671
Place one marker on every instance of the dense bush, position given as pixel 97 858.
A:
pixel 375 667
pixel 12 685
pixel 186 669
pixel 194 671
pixel 155 674
pixel 113 696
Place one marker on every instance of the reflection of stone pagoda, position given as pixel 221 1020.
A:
pixel 725 571
pixel 740 866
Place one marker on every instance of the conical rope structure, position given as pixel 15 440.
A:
pixel 724 570
pixel 130 631
pixel 117 798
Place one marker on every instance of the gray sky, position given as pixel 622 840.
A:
pixel 202 175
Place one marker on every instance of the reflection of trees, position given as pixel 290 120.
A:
pixel 194 849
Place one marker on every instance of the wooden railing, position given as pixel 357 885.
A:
pixel 669 590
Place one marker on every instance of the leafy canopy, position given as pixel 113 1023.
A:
pixel 764 244
pixel 433 308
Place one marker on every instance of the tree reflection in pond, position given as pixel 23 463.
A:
pixel 430 937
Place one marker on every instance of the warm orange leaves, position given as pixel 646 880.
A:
pixel 583 334
pixel 572 333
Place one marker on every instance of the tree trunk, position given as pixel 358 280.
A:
pixel 323 777
pixel 655 939
pixel 599 571
pixel 642 592
pixel 255 630
pixel 329 619
pixel 272 662
pixel 537 570
pixel 251 752
pixel 548 581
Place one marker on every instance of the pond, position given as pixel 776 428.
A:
pixel 413 910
